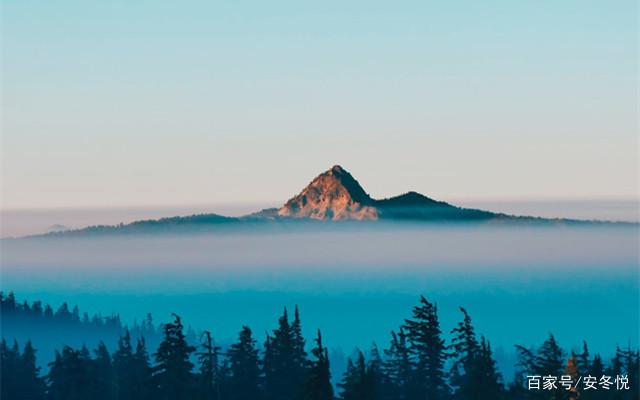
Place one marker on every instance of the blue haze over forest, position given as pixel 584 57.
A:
pixel 518 283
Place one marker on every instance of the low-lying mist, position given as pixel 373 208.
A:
pixel 518 282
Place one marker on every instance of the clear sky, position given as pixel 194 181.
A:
pixel 138 103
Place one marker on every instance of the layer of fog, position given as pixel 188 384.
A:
pixel 519 283
pixel 315 260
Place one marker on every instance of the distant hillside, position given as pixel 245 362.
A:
pixel 334 195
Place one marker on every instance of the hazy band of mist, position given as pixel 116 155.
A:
pixel 265 259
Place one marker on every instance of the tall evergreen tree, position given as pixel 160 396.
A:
pixel 617 363
pixel 31 385
pixel 268 370
pixel 398 366
pixel 244 369
pixel 299 354
pixel 354 383
pixel 597 367
pixel 379 382
pixel 284 377
pixel 318 382
pixel 583 363
pixel 103 382
pixel 209 376
pixel 428 352
pixel 141 373
pixel 122 366
pixel 10 365
pixel 547 360
pixel 70 376
pixel 550 357
pixel 632 369
pixel 172 372
pixel 465 352
pixel 487 379
pixel 473 372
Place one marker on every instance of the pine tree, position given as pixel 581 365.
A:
pixel 141 373
pixel 268 370
pixel 550 358
pixel 122 365
pixel 632 366
pixel 70 376
pixel 318 381
pixel 376 374
pixel 244 369
pixel 547 360
pixel 353 385
pixel 31 385
pixel 299 354
pixel 597 367
pixel 465 351
pixel 583 364
pixel 398 366
pixel 473 372
pixel 103 378
pixel 283 379
pixel 209 379
pixel 428 352
pixel 487 379
pixel 9 364
pixel 616 367
pixel 172 372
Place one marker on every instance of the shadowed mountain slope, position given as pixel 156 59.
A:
pixel 334 195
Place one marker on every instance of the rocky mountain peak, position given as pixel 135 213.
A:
pixel 332 195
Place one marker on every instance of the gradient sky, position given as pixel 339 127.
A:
pixel 136 103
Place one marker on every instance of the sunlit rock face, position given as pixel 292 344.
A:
pixel 333 195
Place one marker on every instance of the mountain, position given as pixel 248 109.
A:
pixel 334 195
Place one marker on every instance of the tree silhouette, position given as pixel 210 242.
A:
pixel 209 379
pixel 123 368
pixel 398 366
pixel 32 386
pixel 464 369
pixel 379 382
pixel 299 355
pixel 244 369
pixel 172 372
pixel 488 381
pixel 583 364
pixel 411 369
pixel 428 352
pixel 472 364
pixel 70 375
pixel 284 374
pixel 354 383
pixel 141 373
pixel 10 365
pixel 548 360
pixel 318 382
pixel 103 383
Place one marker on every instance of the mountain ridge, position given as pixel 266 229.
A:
pixel 332 196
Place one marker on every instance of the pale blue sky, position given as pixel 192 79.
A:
pixel 135 103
